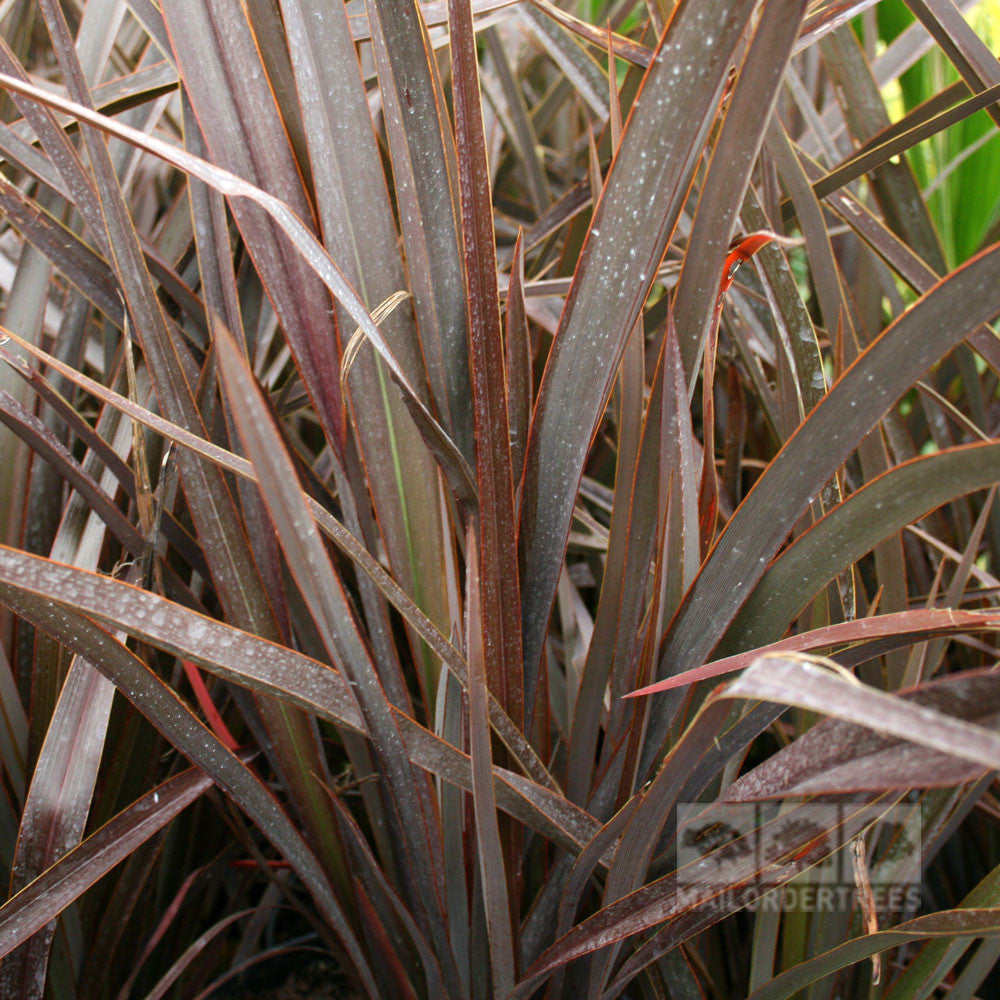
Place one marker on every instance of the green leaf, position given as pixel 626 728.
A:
pixel 948 924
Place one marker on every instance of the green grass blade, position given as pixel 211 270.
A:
pixel 344 539
pixel 358 230
pixel 946 924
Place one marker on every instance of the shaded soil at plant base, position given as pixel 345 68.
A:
pixel 292 977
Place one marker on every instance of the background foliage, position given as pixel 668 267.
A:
pixel 391 388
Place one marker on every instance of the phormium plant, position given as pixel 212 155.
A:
pixel 391 390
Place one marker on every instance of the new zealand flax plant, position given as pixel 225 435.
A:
pixel 392 389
